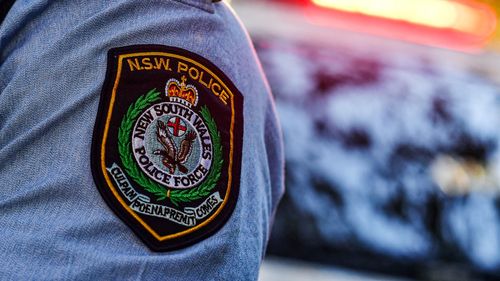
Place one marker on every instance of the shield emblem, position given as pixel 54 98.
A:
pixel 166 152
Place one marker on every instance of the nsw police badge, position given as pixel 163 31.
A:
pixel 166 152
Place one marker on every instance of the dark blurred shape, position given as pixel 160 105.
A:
pixel 392 162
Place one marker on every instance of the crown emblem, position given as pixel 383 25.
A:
pixel 181 93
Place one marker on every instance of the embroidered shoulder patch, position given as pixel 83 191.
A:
pixel 166 152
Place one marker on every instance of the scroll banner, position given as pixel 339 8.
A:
pixel 142 203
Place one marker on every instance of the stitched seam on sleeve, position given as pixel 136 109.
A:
pixel 205 5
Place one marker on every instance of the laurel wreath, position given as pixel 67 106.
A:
pixel 162 193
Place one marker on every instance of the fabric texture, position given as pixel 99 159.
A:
pixel 54 223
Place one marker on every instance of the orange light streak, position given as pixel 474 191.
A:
pixel 465 24
pixel 455 15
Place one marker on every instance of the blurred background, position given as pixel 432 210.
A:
pixel 390 112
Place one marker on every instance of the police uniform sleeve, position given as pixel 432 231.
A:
pixel 138 141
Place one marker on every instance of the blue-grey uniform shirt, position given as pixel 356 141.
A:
pixel 54 224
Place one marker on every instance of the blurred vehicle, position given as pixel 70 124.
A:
pixel 392 134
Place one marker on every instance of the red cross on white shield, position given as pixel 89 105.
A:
pixel 176 126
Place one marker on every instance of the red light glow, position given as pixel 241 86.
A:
pixel 464 25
